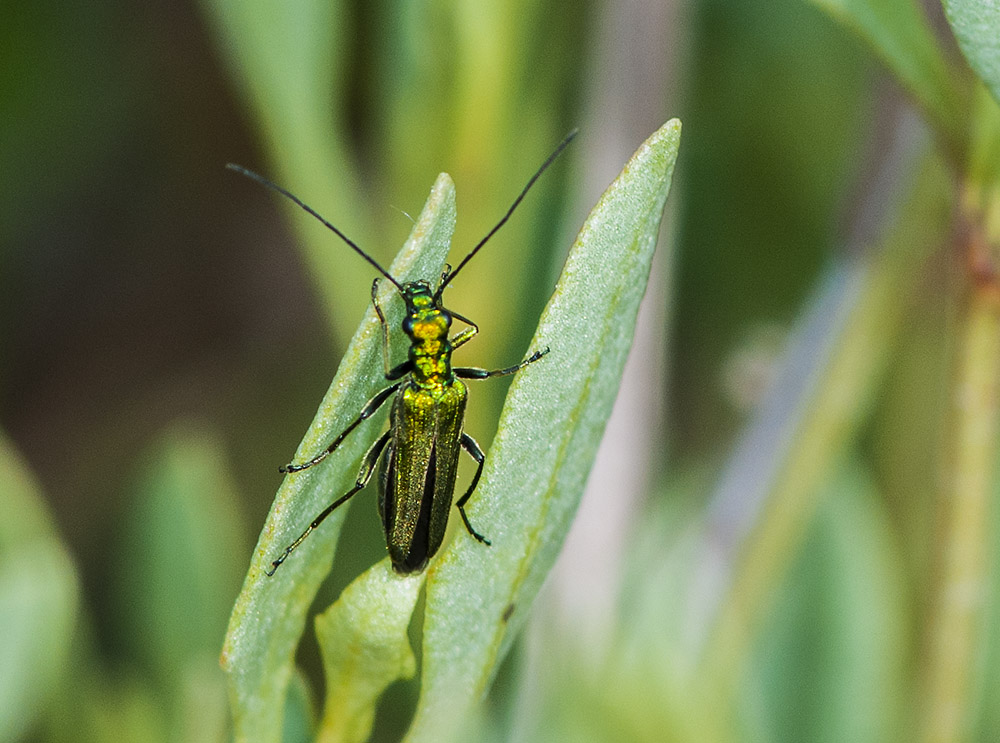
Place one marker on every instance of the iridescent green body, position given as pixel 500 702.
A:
pixel 426 427
pixel 419 452
pixel 417 477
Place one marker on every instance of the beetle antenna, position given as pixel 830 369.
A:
pixel 562 146
pixel 289 195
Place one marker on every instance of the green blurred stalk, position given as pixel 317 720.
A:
pixel 957 634
pixel 957 626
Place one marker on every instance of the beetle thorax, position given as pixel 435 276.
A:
pixel 427 326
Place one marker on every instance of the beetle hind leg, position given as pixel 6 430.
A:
pixel 364 475
pixel 367 412
pixel 470 445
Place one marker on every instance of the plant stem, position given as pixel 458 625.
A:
pixel 956 635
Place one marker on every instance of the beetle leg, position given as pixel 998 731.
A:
pixel 444 273
pixel 466 335
pixel 385 329
pixel 364 475
pixel 366 412
pixel 470 445
pixel 471 372
pixel 395 372
pixel 398 372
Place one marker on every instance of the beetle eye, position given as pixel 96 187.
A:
pixel 408 325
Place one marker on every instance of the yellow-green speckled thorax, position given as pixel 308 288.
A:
pixel 427 324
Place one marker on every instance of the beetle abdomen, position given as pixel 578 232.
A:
pixel 418 474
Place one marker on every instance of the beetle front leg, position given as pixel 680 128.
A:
pixel 444 274
pixel 366 412
pixel 364 475
pixel 466 335
pixel 470 445
pixel 396 372
pixel 471 372
pixel 385 328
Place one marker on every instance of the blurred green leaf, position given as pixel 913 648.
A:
pixel 636 684
pixel 287 58
pixel 201 714
pixel 555 414
pixel 977 27
pixel 779 107
pixel 39 594
pixel 126 709
pixel 365 648
pixel 830 662
pixel 183 557
pixel 181 570
pixel 983 167
pixel 899 33
pixel 269 616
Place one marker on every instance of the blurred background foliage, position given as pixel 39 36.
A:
pixel 789 534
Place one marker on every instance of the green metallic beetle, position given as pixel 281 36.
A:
pixel 419 453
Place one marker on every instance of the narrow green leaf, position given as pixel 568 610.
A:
pixel 282 55
pixel 186 515
pixel 552 423
pixel 977 27
pixel 39 593
pixel 829 665
pixel 287 61
pixel 365 647
pixel 269 616
pixel 899 33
